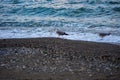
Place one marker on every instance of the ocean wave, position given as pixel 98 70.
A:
pixel 51 11
pixel 116 9
pixel 86 34
pixel 63 1
pixel 114 2
pixel 77 17
pixel 32 24
pixel 95 22
pixel 11 1
pixel 66 8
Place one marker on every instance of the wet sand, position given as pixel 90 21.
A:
pixel 58 59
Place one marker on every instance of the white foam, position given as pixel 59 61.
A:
pixel 47 32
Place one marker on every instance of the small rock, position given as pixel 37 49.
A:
pixel 23 66
pixel 2 65
pixel 90 75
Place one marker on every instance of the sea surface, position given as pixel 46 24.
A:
pixel 81 19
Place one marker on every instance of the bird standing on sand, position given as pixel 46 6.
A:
pixel 61 33
pixel 104 34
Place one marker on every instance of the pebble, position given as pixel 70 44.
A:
pixel 3 65
pixel 23 66
pixel 47 63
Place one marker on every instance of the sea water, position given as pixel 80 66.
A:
pixel 81 19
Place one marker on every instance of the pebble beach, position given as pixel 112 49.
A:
pixel 58 59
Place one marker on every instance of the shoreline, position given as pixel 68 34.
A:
pixel 58 59
pixel 112 43
pixel 37 32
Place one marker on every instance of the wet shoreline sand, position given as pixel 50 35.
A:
pixel 58 59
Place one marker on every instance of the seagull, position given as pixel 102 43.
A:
pixel 61 33
pixel 104 34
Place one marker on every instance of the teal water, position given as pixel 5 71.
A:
pixel 72 16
